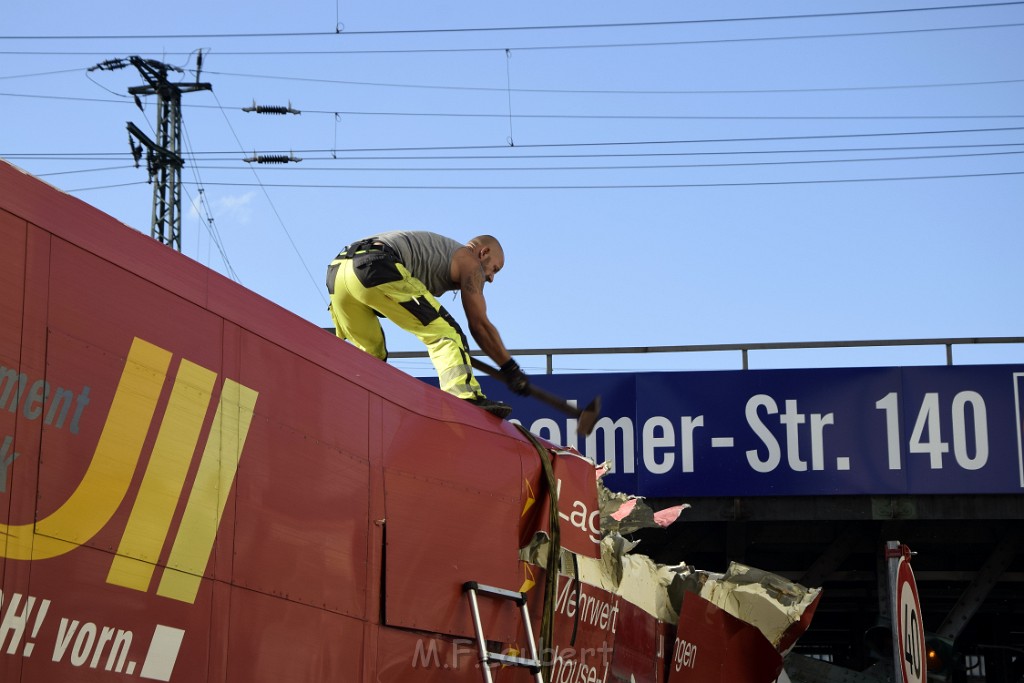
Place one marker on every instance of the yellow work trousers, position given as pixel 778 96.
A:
pixel 405 301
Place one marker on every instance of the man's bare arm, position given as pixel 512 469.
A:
pixel 471 283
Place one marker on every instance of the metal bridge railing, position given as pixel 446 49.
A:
pixel 744 349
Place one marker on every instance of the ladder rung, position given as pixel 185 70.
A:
pixel 513 661
pixel 471 588
pixel 494 591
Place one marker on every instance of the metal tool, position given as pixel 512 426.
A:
pixel 587 417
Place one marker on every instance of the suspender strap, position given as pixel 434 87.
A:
pixel 367 245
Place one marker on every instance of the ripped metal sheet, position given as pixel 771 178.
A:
pixel 729 626
pixel 767 601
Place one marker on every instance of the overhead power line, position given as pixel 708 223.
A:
pixel 41 73
pixel 630 167
pixel 676 117
pixel 578 46
pixel 522 157
pixel 557 91
pixel 604 167
pixel 536 115
pixel 427 86
pixel 201 203
pixel 273 208
pixel 565 145
pixel 619 186
pixel 540 27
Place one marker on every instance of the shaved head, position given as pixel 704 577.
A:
pixel 484 241
pixel 488 251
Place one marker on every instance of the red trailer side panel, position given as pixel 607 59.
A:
pixel 204 483
pixel 198 486
pixel 452 500
pixel 712 646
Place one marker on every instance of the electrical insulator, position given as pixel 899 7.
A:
pixel 271 109
pixel 272 159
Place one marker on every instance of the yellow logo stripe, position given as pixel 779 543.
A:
pixel 193 545
pixel 531 498
pixel 528 579
pixel 162 483
pixel 110 472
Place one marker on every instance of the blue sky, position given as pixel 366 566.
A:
pixel 659 173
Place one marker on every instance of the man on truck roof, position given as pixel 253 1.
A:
pixel 399 275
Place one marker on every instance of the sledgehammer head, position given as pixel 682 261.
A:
pixel 588 417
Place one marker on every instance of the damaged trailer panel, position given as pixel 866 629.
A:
pixel 199 486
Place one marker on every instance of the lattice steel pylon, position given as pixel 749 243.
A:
pixel 163 156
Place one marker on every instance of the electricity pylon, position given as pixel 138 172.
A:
pixel 163 156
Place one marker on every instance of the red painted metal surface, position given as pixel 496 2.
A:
pixel 160 527
pixel 199 486
pixel 712 646
pixel 637 645
pixel 579 525
pixel 452 516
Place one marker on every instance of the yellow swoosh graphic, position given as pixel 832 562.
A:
pixel 110 472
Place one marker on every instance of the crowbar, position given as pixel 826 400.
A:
pixel 587 417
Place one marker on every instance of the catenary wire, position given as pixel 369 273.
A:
pixel 604 91
pixel 639 186
pixel 327 112
pixel 518 157
pixel 613 144
pixel 653 43
pixel 208 221
pixel 624 186
pixel 539 27
pixel 617 167
pixel 587 46
pixel 273 207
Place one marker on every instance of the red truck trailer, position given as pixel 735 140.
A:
pixel 197 485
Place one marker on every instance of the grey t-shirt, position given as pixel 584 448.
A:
pixel 427 255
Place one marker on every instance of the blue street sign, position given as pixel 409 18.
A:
pixel 840 431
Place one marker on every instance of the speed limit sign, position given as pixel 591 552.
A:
pixel 908 629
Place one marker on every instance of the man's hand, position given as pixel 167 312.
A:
pixel 515 378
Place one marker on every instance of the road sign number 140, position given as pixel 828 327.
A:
pixel 927 434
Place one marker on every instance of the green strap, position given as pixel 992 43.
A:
pixel 554 555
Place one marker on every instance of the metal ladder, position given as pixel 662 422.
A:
pixel 472 588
